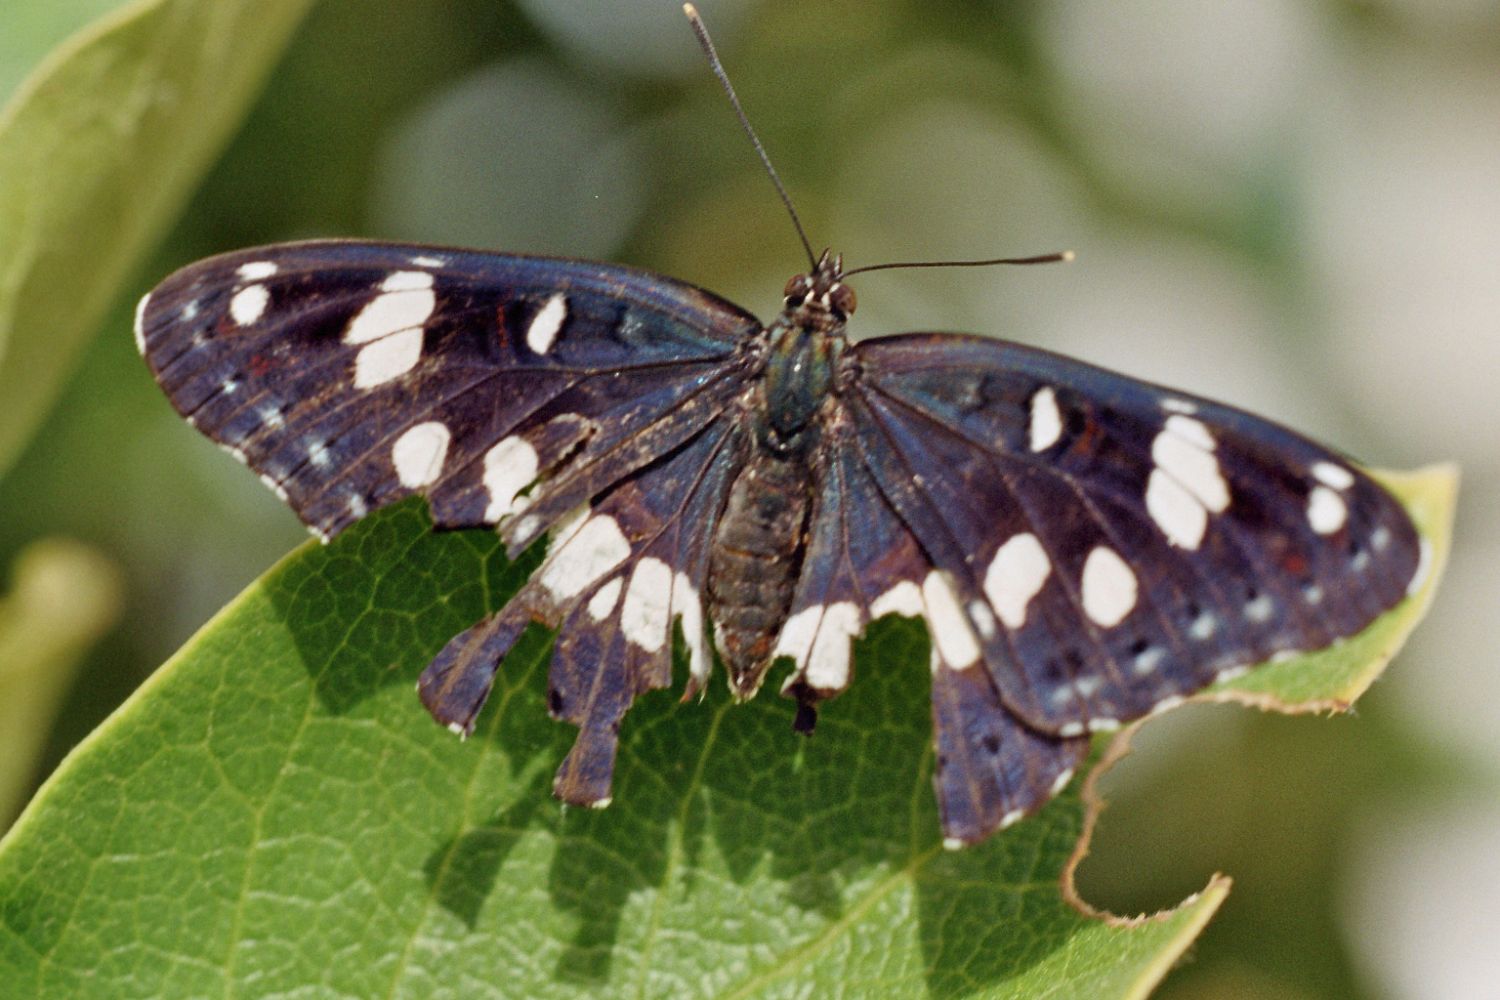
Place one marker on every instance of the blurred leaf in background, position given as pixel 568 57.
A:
pixel 99 148
pixel 1287 205
pixel 61 597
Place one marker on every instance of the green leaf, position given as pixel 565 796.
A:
pixel 274 812
pixel 64 595
pixel 98 151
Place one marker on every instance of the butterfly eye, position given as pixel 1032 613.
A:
pixel 796 290
pixel 842 299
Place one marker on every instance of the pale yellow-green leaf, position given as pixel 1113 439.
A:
pixel 99 149
pixel 62 596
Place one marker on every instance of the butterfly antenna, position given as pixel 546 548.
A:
pixel 701 30
pixel 1062 256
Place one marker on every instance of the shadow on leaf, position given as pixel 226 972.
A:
pixel 747 830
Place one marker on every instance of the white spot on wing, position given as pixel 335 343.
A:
pixel 257 270
pixel 797 635
pixel 1178 406
pixel 525 528
pixel 597 547
pixel 1191 430
pixel 1109 587
pixel 1015 576
pixel 905 598
pixel 509 467
pixel 248 304
pixel 422 260
pixel 406 281
pixel 1326 510
pixel 317 454
pixel 271 416
pixel 645 617
pixel 1046 420
pixel 1148 659
pixel 1186 483
pixel 1260 609
pixel 275 487
pixel 387 358
pixel 405 302
pixel 1185 450
pixel 686 604
pixel 1336 476
pixel 828 665
pixel 542 332
pixel 818 639
pixel 604 599
pixel 140 323
pixel 418 454
pixel 951 634
pixel 1176 512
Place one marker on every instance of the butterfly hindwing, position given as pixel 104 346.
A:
pixel 863 563
pixel 1115 545
pixel 618 576
pixel 349 375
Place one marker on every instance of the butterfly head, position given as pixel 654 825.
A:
pixel 819 300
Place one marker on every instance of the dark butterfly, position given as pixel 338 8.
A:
pixel 1084 547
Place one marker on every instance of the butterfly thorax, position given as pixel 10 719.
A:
pixel 805 344
pixel 759 545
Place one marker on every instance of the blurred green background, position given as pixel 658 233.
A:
pixel 1294 206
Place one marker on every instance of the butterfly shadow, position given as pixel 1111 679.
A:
pixel 369 610
pixel 706 794
pixel 714 791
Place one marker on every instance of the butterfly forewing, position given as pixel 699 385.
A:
pixel 1115 545
pixel 350 375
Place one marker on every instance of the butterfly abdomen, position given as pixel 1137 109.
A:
pixel 756 558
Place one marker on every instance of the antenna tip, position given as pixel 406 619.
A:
pixel 690 11
pixel 1067 256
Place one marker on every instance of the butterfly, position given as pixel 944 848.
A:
pixel 1084 548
